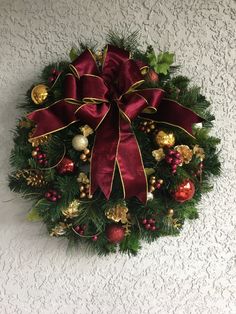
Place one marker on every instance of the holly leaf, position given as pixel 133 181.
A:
pixel 162 62
pixel 152 58
pixel 33 215
pixel 73 54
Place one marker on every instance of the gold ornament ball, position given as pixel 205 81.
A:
pixel 39 94
pixel 86 151
pixel 170 211
pixel 83 157
pixel 34 153
pixel 152 181
pixel 164 139
pixel 80 142
pixel 82 195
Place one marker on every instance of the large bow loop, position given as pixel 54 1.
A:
pixel 84 64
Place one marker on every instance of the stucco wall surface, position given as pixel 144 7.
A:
pixel 193 273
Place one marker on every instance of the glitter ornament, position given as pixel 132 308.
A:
pixel 66 165
pixel 117 213
pixel 184 192
pixel 158 154
pixel 72 210
pixel 186 153
pixel 59 229
pixel 164 139
pixel 115 233
pixel 199 152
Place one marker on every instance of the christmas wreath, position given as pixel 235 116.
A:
pixel 114 147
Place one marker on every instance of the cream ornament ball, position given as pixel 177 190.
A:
pixel 150 196
pixel 79 142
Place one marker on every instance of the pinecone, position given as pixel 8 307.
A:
pixel 36 180
pixel 33 178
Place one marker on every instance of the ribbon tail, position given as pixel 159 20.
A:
pixel 104 153
pixel 171 112
pixel 130 164
pixel 53 118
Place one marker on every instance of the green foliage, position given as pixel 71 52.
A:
pixel 92 212
pixel 33 215
pixel 73 54
pixel 160 63
pixel 124 41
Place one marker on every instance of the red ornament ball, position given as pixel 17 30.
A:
pixel 66 166
pixel 152 76
pixel 115 233
pixel 185 191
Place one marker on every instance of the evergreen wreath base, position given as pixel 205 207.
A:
pixel 55 176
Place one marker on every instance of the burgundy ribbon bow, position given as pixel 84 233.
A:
pixel 108 101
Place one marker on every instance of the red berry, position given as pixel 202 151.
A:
pixel 77 228
pixel 153 228
pixel 59 196
pixel 47 194
pixel 169 160
pixel 94 238
pixel 174 167
pixel 37 149
pixel 144 221
pixel 174 171
pixel 53 71
pixel 158 185
pixel 51 79
pixel 147 226
pixel 81 232
pixel 53 198
pixel 177 155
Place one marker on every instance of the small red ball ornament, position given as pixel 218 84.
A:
pixel 66 166
pixel 152 76
pixel 184 192
pixel 115 233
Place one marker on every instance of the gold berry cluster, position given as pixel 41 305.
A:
pixel 84 186
pixel 147 126
pixel 86 155
pixel 155 183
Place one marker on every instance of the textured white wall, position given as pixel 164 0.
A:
pixel 189 274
